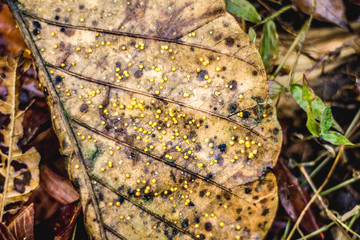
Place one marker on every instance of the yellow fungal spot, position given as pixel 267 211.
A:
pixel 42 49
pixel 222 224
pixel 238 227
pixel 82 19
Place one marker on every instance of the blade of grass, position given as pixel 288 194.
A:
pixel 296 41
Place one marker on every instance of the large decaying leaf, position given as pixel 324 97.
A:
pixel 19 173
pixel 162 108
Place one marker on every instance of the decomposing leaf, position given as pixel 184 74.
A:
pixel 57 186
pixel 293 197
pixel 162 108
pixel 269 45
pixel 22 227
pixel 67 218
pixel 11 41
pixel 329 11
pixel 243 9
pixel 5 233
pixel 19 171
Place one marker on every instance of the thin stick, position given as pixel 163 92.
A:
pixel 317 193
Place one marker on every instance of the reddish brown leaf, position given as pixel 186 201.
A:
pixel 22 227
pixel 5 233
pixel 328 11
pixel 11 41
pixel 65 234
pixel 58 187
pixel 293 198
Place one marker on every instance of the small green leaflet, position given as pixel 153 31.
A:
pixel 317 104
pixel 252 34
pixel 336 138
pixel 311 123
pixel 269 44
pixel 243 9
pixel 326 120
pixel 307 94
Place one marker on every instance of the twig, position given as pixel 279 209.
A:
pixel 316 194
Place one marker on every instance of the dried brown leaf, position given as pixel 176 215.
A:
pixel 326 10
pixel 293 198
pixel 58 187
pixel 69 226
pixel 163 110
pixel 22 227
pixel 11 41
pixel 22 176
pixel 5 233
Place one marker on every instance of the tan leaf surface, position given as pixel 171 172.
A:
pixel 163 110
pixel 18 180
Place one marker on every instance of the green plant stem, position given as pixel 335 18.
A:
pixel 317 169
pixel 317 232
pixel 287 229
pixel 343 184
pixel 354 218
pixel 292 46
pixel 353 124
pixel 276 14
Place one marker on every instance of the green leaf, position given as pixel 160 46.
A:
pixel 326 120
pixel 317 104
pixel 307 94
pixel 243 9
pixel 311 123
pixel 336 138
pixel 252 34
pixel 269 45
